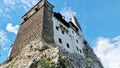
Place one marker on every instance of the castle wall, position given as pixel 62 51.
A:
pixel 71 38
pixel 30 30
pixel 36 25
pixel 48 23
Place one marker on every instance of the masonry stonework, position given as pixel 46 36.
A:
pixel 48 23
pixel 37 25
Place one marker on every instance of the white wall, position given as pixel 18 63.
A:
pixel 69 38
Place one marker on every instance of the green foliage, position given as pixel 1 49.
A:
pixel 63 29
pixel 45 63
pixel 63 61
pixel 10 66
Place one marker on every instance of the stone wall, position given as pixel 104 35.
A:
pixel 29 31
pixel 48 23
pixel 37 26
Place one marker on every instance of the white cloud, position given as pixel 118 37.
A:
pixel 9 2
pixel 1 11
pixel 5 48
pixel 11 28
pixel 3 38
pixel 27 4
pixel 15 4
pixel 6 15
pixel 9 5
pixel 108 50
pixel 68 12
pixel 34 2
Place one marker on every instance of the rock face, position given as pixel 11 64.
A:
pixel 40 54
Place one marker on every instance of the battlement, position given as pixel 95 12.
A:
pixel 36 8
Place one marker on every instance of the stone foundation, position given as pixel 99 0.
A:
pixel 39 54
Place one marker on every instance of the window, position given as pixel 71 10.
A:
pixel 67 45
pixel 57 28
pixel 80 51
pixel 36 9
pixel 77 48
pixel 62 32
pixel 60 41
pixel 77 41
pixel 25 19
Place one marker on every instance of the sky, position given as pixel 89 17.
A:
pixel 99 20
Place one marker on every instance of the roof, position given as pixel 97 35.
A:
pixel 67 24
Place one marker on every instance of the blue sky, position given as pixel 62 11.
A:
pixel 99 20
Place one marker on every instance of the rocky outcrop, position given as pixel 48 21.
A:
pixel 40 54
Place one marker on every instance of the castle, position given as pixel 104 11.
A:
pixel 41 23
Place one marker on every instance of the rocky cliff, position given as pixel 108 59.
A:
pixel 40 54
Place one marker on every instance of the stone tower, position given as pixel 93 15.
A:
pixel 36 25
pixel 46 40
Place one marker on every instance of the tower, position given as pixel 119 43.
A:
pixel 75 22
pixel 36 25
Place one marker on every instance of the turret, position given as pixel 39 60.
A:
pixel 75 22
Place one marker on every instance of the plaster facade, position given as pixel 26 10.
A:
pixel 70 38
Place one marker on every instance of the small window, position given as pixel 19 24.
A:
pixel 67 45
pixel 57 28
pixel 36 9
pixel 62 32
pixel 25 19
pixel 80 51
pixel 60 41
pixel 77 48
pixel 77 41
